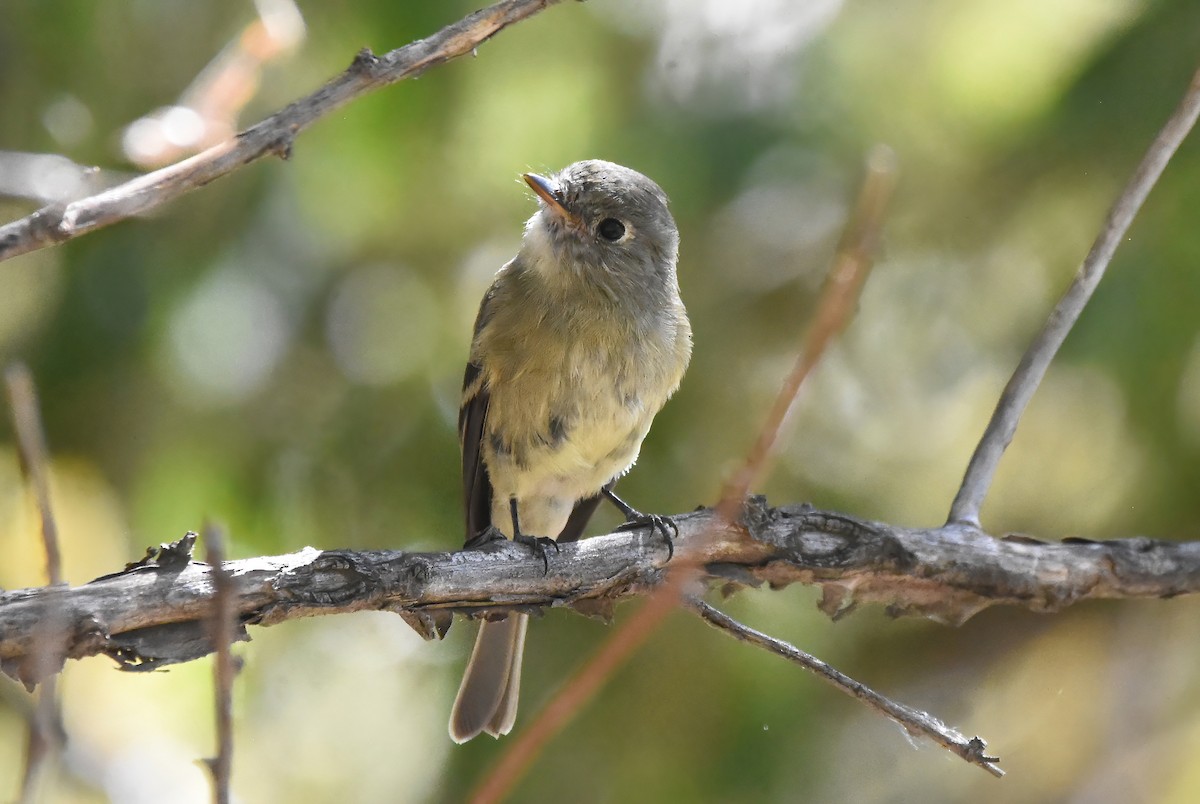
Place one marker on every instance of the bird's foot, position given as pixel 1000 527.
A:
pixel 487 538
pixel 662 524
pixel 538 544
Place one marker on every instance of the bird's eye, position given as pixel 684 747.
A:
pixel 611 229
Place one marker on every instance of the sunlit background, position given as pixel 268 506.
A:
pixel 281 352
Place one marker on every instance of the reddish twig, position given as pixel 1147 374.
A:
pixel 851 265
pixel 207 111
pixel 578 690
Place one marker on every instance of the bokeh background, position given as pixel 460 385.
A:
pixel 281 352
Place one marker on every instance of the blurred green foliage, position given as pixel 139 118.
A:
pixel 281 351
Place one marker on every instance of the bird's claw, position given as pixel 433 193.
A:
pixel 538 545
pixel 484 539
pixel 662 524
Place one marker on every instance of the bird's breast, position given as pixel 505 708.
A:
pixel 567 419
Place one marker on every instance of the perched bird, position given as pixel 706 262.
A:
pixel 579 342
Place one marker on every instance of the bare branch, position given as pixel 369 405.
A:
pixel 916 722
pixel 46 734
pixel 31 440
pixel 222 633
pixel 56 224
pixel 1032 368
pixel 155 612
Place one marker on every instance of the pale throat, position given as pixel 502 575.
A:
pixel 538 248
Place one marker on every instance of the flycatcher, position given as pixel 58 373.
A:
pixel 579 342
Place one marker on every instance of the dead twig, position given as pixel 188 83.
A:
pixel 274 135
pixel 31 441
pixel 1036 360
pixel 916 722
pixel 46 734
pixel 222 633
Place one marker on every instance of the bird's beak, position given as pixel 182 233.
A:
pixel 548 193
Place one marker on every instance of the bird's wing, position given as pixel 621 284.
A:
pixel 477 486
pixel 472 415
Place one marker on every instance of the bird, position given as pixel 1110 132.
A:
pixel 579 342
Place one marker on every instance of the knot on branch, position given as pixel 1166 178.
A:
pixel 331 579
pixel 47 224
pixel 822 540
pixel 369 579
pixel 365 61
pixel 756 514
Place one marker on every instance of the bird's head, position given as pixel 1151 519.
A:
pixel 602 221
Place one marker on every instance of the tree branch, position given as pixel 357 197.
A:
pixel 155 612
pixel 1036 360
pixel 914 721
pixel 274 135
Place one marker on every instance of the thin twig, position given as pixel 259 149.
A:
pixel 46 735
pixel 850 267
pixel 222 630
pixel 1032 368
pixel 914 721
pixel 56 224
pixel 31 439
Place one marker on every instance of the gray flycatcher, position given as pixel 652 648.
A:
pixel 579 342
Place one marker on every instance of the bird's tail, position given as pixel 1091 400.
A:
pixel 491 685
